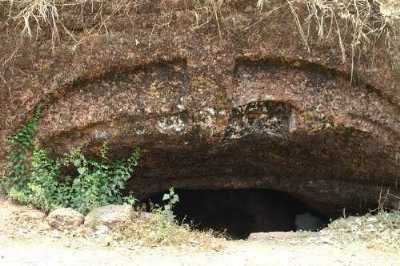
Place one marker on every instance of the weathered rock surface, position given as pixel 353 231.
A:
pixel 65 218
pixel 236 104
pixel 110 216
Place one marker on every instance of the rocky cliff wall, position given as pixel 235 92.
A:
pixel 217 96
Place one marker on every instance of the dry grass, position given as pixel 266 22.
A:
pixel 158 230
pixel 356 25
pixel 364 19
pixel 161 229
pixel 34 11
pixel 33 16
pixel 380 231
pixel 212 11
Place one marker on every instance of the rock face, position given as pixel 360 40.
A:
pixel 110 216
pixel 239 102
pixel 65 218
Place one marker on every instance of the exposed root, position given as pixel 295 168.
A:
pixel 33 16
pixel 357 25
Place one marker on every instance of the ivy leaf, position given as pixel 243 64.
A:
pixel 77 163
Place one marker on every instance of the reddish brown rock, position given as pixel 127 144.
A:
pixel 241 103
pixel 65 218
pixel 110 216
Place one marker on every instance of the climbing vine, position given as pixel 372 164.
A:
pixel 20 146
pixel 35 178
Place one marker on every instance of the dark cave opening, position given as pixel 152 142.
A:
pixel 239 212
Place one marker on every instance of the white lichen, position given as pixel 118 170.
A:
pixel 101 135
pixel 170 125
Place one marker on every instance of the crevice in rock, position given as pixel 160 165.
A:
pixel 316 71
pixel 64 85
pixel 389 132
pixel 119 128
pixel 120 72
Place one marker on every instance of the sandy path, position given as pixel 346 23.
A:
pixel 16 252
pixel 22 246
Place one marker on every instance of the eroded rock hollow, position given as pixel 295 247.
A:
pixel 237 103
pixel 239 212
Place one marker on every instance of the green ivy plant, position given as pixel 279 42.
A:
pixel 21 145
pixel 99 182
pixel 34 178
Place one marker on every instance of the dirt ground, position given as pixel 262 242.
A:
pixel 26 239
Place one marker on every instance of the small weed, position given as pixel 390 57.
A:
pixel 161 228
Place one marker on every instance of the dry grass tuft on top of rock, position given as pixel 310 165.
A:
pixel 160 228
pixel 37 14
pixel 377 231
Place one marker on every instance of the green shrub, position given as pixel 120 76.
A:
pixel 98 183
pixel 34 178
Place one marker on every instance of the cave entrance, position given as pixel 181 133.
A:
pixel 240 212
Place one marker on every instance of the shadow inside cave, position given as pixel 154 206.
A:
pixel 240 212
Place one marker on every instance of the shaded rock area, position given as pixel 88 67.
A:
pixel 236 103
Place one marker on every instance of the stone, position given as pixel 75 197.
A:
pixel 65 218
pixel 110 216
